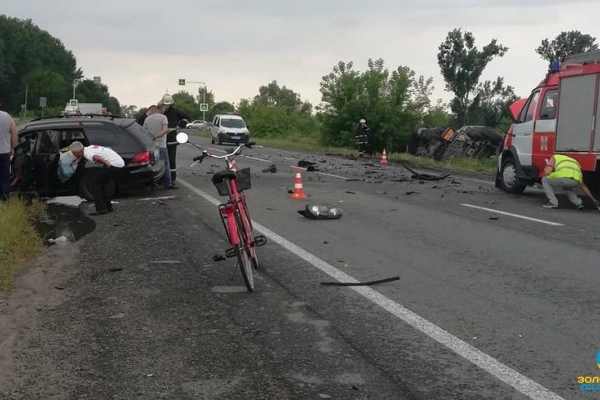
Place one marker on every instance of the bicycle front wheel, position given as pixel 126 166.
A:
pixel 241 253
pixel 247 230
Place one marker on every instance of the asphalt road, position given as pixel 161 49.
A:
pixel 496 297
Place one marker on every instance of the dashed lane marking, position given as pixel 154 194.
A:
pixel 541 221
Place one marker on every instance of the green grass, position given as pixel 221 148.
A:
pixel 310 144
pixel 19 239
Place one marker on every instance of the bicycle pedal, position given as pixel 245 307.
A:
pixel 230 253
pixel 260 240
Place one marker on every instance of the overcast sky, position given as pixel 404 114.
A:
pixel 141 48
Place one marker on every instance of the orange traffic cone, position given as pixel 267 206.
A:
pixel 298 189
pixel 383 158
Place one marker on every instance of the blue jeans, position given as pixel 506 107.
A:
pixel 164 155
pixel 4 176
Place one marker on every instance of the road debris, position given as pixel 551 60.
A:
pixel 272 169
pixel 423 176
pixel 395 278
pixel 319 211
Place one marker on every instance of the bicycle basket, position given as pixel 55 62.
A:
pixel 242 180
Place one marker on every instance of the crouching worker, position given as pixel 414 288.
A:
pixel 111 164
pixel 563 172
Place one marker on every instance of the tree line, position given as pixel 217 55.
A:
pixel 34 64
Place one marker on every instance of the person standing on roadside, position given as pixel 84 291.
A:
pixel 173 116
pixel 8 142
pixel 145 115
pixel 362 137
pixel 111 163
pixel 158 125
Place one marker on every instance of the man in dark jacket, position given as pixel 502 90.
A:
pixel 173 117
pixel 362 138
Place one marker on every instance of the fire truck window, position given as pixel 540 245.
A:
pixel 549 105
pixel 528 111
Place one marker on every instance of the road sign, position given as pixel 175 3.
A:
pixel 203 106
pixel 182 82
pixel 42 102
pixel 97 80
pixel 73 102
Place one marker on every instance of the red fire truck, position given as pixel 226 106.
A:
pixel 562 115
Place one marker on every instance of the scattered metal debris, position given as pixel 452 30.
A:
pixel 272 169
pixel 318 211
pixel 423 176
pixel 395 278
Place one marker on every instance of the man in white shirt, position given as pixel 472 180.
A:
pixel 111 163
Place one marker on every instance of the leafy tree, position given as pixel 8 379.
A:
pixel 220 108
pixel 274 95
pixel 462 64
pixel 278 112
pixel 186 102
pixel 391 102
pixel 566 43
pixel 491 103
pixel 437 115
pixel 87 91
pixel 48 84
pixel 26 49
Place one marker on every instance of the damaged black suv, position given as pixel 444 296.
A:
pixel 42 141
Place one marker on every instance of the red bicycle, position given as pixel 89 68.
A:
pixel 235 215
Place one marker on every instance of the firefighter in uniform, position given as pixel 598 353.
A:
pixel 565 173
pixel 173 117
pixel 362 138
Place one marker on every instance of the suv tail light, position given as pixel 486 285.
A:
pixel 143 158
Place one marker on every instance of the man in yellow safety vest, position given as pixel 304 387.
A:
pixel 565 173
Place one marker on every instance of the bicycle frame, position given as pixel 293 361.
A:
pixel 235 214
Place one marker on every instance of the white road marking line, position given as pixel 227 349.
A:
pixel 322 173
pixel 494 367
pixel 475 180
pixel 157 198
pixel 541 221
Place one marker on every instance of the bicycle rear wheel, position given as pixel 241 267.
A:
pixel 241 253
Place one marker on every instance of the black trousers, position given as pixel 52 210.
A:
pixel 98 187
pixel 172 150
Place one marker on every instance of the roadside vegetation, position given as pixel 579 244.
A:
pixel 19 239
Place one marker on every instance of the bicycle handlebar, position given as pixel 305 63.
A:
pixel 205 153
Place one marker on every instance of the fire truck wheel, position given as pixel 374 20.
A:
pixel 508 178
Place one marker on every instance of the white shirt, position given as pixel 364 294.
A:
pixel 106 153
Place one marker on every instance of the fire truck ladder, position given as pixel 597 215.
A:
pixel 590 57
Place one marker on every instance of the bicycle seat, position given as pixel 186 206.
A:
pixel 220 176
